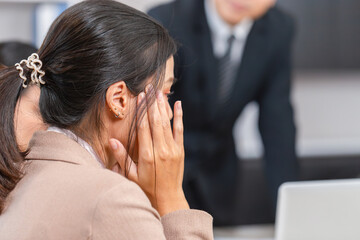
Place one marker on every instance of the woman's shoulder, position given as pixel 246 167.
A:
pixel 57 158
pixel 88 187
pixel 120 209
pixel 94 180
pixel 87 200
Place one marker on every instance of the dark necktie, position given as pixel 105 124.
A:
pixel 227 70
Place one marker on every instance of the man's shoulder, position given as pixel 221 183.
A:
pixel 162 8
pixel 173 11
pixel 277 17
pixel 279 24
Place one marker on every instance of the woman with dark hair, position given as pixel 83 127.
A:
pixel 104 70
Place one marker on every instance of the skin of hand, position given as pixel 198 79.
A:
pixel 160 167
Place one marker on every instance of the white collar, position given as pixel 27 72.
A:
pixel 223 30
pixel 77 139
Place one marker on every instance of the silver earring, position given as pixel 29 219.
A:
pixel 118 115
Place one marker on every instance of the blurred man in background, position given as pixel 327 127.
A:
pixel 232 52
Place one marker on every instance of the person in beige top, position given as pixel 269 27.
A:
pixel 105 71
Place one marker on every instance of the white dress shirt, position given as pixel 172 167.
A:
pixel 221 32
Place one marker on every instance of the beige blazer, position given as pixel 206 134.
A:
pixel 65 194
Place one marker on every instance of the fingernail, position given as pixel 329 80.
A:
pixel 113 144
pixel 179 105
pixel 159 95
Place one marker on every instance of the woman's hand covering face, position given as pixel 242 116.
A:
pixel 160 167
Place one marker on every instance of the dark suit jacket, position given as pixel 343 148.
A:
pixel 211 165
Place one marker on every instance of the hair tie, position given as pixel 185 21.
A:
pixel 33 62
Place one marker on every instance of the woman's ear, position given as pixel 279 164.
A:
pixel 117 98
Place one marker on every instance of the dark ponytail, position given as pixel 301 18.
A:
pixel 10 157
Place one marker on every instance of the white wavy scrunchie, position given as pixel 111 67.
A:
pixel 33 62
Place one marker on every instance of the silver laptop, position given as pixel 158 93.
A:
pixel 319 210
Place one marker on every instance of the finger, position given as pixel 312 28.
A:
pixel 132 172
pixel 178 127
pixel 118 153
pixel 164 117
pixel 144 133
pixel 169 110
pixel 155 121
pixel 124 162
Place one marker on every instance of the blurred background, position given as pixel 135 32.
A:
pixel 326 76
pixel 325 91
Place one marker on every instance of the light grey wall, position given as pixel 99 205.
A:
pixel 16 21
pixel 326 107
